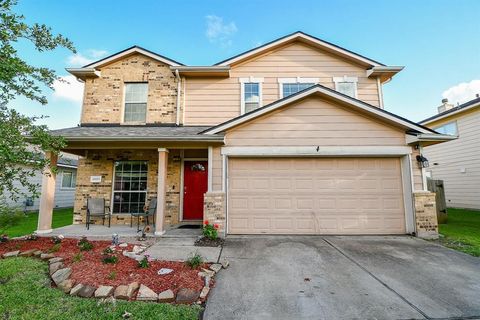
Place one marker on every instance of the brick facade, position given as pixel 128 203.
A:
pixel 101 163
pixel 214 210
pixel 425 215
pixel 104 96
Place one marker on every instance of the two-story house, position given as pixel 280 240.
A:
pixel 287 138
pixel 457 162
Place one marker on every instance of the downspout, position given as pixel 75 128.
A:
pixel 380 92
pixel 179 83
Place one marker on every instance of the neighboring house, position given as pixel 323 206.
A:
pixel 287 138
pixel 64 186
pixel 457 162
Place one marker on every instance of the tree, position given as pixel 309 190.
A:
pixel 23 142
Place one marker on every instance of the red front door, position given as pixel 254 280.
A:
pixel 195 180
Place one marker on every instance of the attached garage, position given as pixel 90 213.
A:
pixel 315 196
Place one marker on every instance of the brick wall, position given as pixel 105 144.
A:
pixel 100 163
pixel 104 96
pixel 426 215
pixel 214 210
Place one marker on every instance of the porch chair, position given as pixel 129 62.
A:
pixel 96 208
pixel 148 211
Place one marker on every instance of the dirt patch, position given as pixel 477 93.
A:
pixel 88 268
pixel 206 242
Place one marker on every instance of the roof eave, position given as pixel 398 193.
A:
pixel 144 139
pixel 449 113
pixel 214 71
pixel 84 73
pixel 428 139
pixel 385 73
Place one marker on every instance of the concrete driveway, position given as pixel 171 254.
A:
pixel 314 277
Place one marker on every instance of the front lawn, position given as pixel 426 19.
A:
pixel 25 293
pixel 462 231
pixel 61 217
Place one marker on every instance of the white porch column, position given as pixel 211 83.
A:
pixel 161 190
pixel 47 196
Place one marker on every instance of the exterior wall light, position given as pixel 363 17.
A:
pixel 422 161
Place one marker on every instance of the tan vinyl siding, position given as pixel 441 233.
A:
pixel 217 169
pixel 315 121
pixel 210 101
pixel 461 189
pixel 416 172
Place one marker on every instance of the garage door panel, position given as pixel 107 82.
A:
pixel 315 196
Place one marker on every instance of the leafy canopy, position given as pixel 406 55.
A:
pixel 23 141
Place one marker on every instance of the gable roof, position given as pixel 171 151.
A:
pixel 463 107
pixel 319 89
pixel 299 35
pixel 129 51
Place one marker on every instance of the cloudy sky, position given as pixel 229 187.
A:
pixel 436 41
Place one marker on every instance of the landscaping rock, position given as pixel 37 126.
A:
pixel 27 253
pixel 146 294
pixel 163 271
pixel 11 254
pixel 37 253
pixel 61 275
pixel 216 267
pixel 55 266
pixel 66 286
pixel 121 292
pixel 204 292
pixel 75 290
pixel 47 256
pixel 86 292
pixel 186 295
pixel 166 296
pixel 103 291
pixel 123 245
pixel 225 264
pixel 132 288
pixel 138 249
pixel 210 273
pixel 55 260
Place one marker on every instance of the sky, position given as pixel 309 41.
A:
pixel 436 40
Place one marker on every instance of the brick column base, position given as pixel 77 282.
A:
pixel 214 210
pixel 426 215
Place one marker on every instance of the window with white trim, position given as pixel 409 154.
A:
pixel 68 179
pixel 130 186
pixel 448 128
pixel 251 94
pixel 289 86
pixel 135 102
pixel 346 85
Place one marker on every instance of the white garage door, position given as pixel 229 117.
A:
pixel 315 196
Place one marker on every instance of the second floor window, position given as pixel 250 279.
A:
pixel 251 94
pixel 136 102
pixel 289 86
pixel 449 128
pixel 346 85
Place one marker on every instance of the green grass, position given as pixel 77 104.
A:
pixel 61 218
pixel 462 231
pixel 25 293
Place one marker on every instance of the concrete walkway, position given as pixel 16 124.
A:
pixel 282 277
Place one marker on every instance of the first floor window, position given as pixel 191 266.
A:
pixel 135 102
pixel 449 128
pixel 130 186
pixel 68 179
pixel 346 85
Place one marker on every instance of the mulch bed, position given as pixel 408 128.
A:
pixel 206 242
pixel 90 270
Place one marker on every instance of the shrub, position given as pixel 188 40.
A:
pixel 57 239
pixel 108 251
pixel 32 237
pixel 3 238
pixel 194 261
pixel 9 216
pixel 110 259
pixel 84 244
pixel 77 257
pixel 210 231
pixel 55 247
pixel 144 262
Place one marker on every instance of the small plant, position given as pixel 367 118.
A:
pixel 144 262
pixel 210 231
pixel 112 275
pixel 84 244
pixel 57 239
pixel 108 251
pixel 77 257
pixel 194 261
pixel 31 237
pixel 55 248
pixel 109 256
pixel 3 238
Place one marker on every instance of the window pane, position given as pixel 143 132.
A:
pixel 130 186
pixel 347 88
pixel 251 96
pixel 135 112
pixel 291 88
pixel 66 179
pixel 136 95
pixel 449 128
